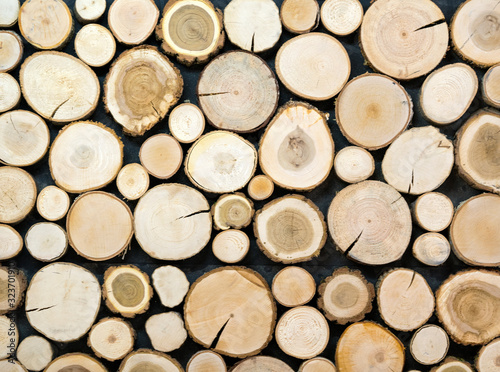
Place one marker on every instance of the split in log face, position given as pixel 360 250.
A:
pixel 372 120
pixel 232 211
pixel 477 151
pixel 10 12
pixel 95 45
pixel 341 17
pixel 73 86
pixel 45 24
pixel 221 162
pixel 132 21
pixel 252 25
pixel 468 306
pixel 318 364
pixel 11 48
pixel 369 347
pixel 418 161
pixel 85 156
pixel 12 242
pixel 231 246
pixel 261 363
pixel 474 231
pixel 52 203
pixel 64 315
pixel 132 181
pixel 186 123
pixel 24 138
pixel 111 338
pixel 141 86
pixel 161 155
pixel 46 241
pixel 75 362
pixel 238 91
pixel 17 194
pixel 293 286
pixel 447 93
pixel 346 296
pixel 87 11
pixel 490 87
pixel 475 32
pixel 171 285
pixel 172 222
pixel 231 310
pixel 10 92
pixel 35 353
pixel 191 30
pixel 144 360
pixel 429 344
pixel 12 286
pixel 290 229
pixel 381 218
pixel 299 16
pixel 166 331
pixel 433 211
pixel 206 361
pixel 404 40
pixel 488 358
pixel 313 66
pixel 296 150
pixel 100 226
pixel 432 249
pixel 126 290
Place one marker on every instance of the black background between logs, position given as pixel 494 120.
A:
pixel 320 267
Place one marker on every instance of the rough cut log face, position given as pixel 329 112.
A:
pixel 77 362
pixel 261 363
pixel 299 16
pixel 17 194
pixel 132 21
pixel 206 360
pixel 150 361
pixel 11 48
pixel 341 17
pixel 490 87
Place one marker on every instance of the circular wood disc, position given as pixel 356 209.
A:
pixel 474 231
pixel 490 88
pixel 453 365
pixel 171 285
pixel 299 16
pixel 13 284
pixel 429 344
pixel 63 315
pixel 149 361
pixel 431 248
pixel 260 187
pixel 354 164
pixel 341 17
pixel 17 194
pixel 73 86
pixel 45 24
pixel 126 290
pixel 8 325
pixel 372 120
pixel 467 306
pixel 191 30
pixel 46 241
pixel 232 211
pixel 99 225
pixel 231 246
pixel 293 286
pixel 238 91
pixel 75 362
pixel 166 331
pixel 52 203
pixel 261 363
pixel 111 338
pixel 252 25
pixel 477 150
pixel 314 66
pixel 475 33
pixel 141 86
pixel 404 40
pixel 87 11
pixel 9 15
pixel 12 365
pixel 172 222
pixel 95 45
pixel 10 92
pixel 221 162
pixel 231 310
pixel 35 353
pixel 11 52
pixel 12 242
pixel 132 181
pixel 161 155
pixel 369 347
pixel 370 222
pixel 433 211
pixel 296 150
pixel 206 361
pixel 405 300
pixel 488 358
pixel 317 364
pixel 132 21
pixel 418 161
pixel 302 332
pixel 346 296
pixel 447 93
pixel 290 229
pixel 24 138
pixel 186 122
pixel 85 156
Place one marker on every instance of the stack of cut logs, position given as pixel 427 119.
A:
pixel 196 185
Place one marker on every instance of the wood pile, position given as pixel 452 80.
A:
pixel 249 185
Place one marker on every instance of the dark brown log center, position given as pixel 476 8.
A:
pixel 297 150
pixel 128 290
pixel 191 28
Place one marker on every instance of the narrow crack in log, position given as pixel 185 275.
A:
pixel 432 24
pixel 411 181
pixel 219 334
pixel 346 252
pixel 252 45
pixel 58 107
pixel 193 214
pixel 40 308
pixel 445 147
pixel 412 279
pixel 211 94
